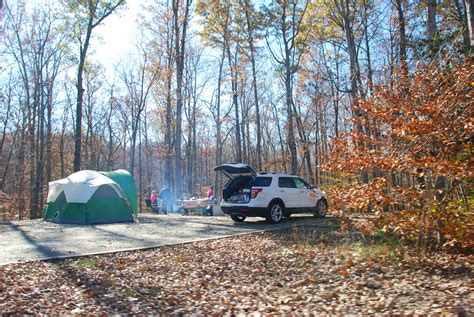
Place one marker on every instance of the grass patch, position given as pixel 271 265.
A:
pixel 301 238
pixel 86 262
pixel 380 245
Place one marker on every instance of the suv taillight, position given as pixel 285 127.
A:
pixel 255 192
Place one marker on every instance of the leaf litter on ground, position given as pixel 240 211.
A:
pixel 286 272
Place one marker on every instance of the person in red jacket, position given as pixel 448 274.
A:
pixel 153 201
pixel 210 192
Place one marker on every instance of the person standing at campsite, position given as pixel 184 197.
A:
pixel 165 195
pixel 211 200
pixel 210 192
pixel 153 201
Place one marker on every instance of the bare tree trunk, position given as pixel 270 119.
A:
pixel 431 27
pixel 96 13
pixel 140 174
pixel 233 75
pixel 250 32
pixel 317 153
pixel 304 142
pixel 110 141
pixel 280 137
pixel 4 165
pixel 168 144
pixel 32 156
pixel 218 121
pixel 148 156
pixel 289 109
pixel 49 135
pixel 470 19
pixel 461 17
pixel 344 11
pixel 401 27
pixel 20 170
pixel 79 100
pixel 180 49
pixel 193 147
pixel 367 47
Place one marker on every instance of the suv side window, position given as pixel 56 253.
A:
pixel 301 183
pixel 262 181
pixel 259 181
pixel 286 182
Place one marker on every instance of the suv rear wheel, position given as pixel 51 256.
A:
pixel 237 218
pixel 321 209
pixel 275 213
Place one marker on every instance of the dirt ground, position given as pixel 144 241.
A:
pixel 30 240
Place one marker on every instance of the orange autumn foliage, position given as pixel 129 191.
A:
pixel 414 138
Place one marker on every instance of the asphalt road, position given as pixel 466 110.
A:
pixel 31 240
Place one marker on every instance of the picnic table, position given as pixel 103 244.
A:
pixel 199 206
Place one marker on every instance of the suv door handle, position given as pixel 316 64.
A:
pixel 282 191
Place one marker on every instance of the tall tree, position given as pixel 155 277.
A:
pixel 431 26
pixel 470 20
pixel 87 15
pixel 160 25
pixel 181 20
pixel 402 34
pixel 251 23
pixel 285 20
pixel 34 40
pixel 345 15
pixel 216 32
pixel 138 79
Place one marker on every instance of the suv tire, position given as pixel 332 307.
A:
pixel 237 218
pixel 321 209
pixel 275 213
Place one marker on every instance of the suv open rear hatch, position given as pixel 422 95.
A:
pixel 233 170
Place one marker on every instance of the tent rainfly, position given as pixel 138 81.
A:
pixel 90 197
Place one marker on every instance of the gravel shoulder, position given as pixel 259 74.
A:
pixel 30 240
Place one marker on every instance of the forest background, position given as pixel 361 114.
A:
pixel 370 100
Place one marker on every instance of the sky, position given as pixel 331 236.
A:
pixel 114 39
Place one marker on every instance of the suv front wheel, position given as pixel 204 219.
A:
pixel 321 209
pixel 275 213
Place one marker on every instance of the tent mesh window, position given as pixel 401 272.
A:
pixel 105 191
pixel 61 198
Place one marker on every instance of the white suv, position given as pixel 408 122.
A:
pixel 269 195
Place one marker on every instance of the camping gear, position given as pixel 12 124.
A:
pixel 196 206
pixel 91 197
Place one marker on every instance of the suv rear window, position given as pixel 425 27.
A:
pixel 260 182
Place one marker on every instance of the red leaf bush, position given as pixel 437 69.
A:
pixel 413 141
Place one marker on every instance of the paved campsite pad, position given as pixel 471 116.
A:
pixel 30 240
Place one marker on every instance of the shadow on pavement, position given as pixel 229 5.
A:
pixel 110 234
pixel 36 240
pixel 45 251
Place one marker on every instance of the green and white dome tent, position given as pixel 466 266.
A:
pixel 91 197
